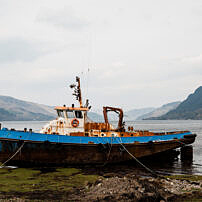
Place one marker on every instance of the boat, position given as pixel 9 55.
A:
pixel 73 138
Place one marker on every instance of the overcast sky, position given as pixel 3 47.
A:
pixel 139 53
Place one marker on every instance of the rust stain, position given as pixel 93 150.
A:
pixel 117 110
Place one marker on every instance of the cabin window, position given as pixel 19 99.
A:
pixel 70 114
pixel 78 114
pixel 60 113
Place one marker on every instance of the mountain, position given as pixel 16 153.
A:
pixel 160 111
pixel 133 114
pixel 130 115
pixel 12 109
pixel 191 108
pixel 95 117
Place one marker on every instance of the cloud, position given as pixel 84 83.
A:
pixel 65 18
pixel 18 50
pixel 192 59
pixel 135 50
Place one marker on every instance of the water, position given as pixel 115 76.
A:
pixel 177 166
pixel 174 167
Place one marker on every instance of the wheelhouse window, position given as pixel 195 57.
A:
pixel 79 114
pixel 60 113
pixel 70 114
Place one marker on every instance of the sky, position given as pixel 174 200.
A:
pixel 128 53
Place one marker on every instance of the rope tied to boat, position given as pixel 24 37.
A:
pixel 148 169
pixel 19 149
pixel 109 152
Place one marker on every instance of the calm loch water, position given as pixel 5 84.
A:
pixel 176 166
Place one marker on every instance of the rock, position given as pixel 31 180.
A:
pixel 99 185
pixel 150 194
pixel 151 180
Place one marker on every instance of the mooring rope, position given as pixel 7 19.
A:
pixel 108 155
pixel 148 169
pixel 109 150
pixel 3 164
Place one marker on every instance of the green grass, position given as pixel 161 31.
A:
pixel 26 180
pixel 186 177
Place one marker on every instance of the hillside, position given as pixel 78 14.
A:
pixel 191 108
pixel 12 109
pixel 95 117
pixel 160 111
pixel 132 115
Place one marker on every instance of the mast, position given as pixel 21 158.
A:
pixel 77 91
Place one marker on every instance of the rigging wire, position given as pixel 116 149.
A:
pixel 89 65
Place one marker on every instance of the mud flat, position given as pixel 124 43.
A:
pixel 74 184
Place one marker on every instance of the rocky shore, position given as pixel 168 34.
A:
pixel 133 188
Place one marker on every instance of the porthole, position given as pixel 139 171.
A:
pixel 131 135
pixel 122 135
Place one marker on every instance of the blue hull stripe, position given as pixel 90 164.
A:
pixel 17 135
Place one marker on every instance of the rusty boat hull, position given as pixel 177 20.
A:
pixel 49 149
